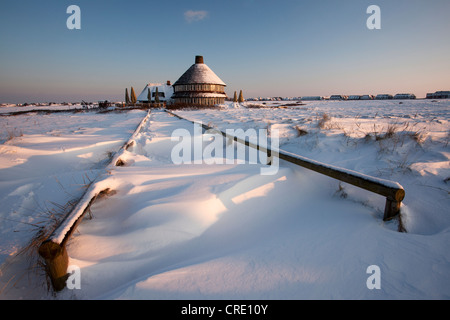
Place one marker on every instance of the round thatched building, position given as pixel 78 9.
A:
pixel 199 85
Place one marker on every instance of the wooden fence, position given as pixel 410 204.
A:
pixel 393 191
pixel 53 249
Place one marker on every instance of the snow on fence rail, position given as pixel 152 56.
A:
pixel 392 190
pixel 53 249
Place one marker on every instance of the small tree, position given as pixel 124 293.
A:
pixel 235 99
pixel 133 96
pixel 127 98
pixel 241 97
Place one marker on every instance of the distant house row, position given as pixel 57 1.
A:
pixel 439 95
pixel 399 96
pixel 363 97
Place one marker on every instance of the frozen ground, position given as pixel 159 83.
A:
pixel 215 231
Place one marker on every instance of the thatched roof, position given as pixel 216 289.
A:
pixel 199 73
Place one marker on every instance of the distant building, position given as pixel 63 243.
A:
pixel 165 92
pixel 354 97
pixel 311 98
pixel 404 96
pixel 384 97
pixel 338 97
pixel 367 97
pixel 199 85
pixel 439 95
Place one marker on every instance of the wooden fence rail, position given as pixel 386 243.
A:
pixel 393 191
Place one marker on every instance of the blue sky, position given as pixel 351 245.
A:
pixel 265 48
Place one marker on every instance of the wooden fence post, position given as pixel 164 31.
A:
pixel 393 205
pixel 56 263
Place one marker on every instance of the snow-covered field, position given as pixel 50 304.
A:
pixel 224 231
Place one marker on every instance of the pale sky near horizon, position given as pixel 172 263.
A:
pixel 266 48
